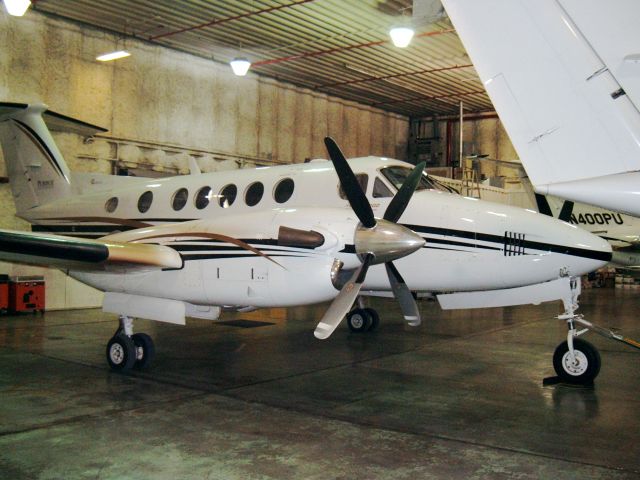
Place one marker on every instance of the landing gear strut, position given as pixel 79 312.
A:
pixel 577 361
pixel 127 350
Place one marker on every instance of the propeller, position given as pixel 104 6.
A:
pixel 376 241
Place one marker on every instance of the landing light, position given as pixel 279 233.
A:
pixel 16 8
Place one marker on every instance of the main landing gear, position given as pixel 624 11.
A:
pixel 577 361
pixel 127 350
pixel 364 319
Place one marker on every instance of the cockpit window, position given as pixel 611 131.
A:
pixel 363 180
pixel 380 190
pixel 398 174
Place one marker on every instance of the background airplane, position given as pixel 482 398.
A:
pixel 564 77
pixel 283 236
pixel 620 230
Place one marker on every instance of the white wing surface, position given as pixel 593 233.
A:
pixel 564 77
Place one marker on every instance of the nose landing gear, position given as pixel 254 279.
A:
pixel 577 361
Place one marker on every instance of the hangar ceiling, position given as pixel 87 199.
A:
pixel 338 47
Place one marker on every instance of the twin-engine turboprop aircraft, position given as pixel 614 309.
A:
pixel 283 236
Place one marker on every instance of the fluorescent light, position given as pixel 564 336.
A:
pixel 401 36
pixel 240 66
pixel 112 56
pixel 17 8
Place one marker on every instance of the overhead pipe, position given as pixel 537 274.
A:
pixel 229 19
pixel 436 97
pixel 395 75
pixel 318 53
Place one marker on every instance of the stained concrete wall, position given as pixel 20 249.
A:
pixel 180 103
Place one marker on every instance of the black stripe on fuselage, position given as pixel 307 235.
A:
pixel 72 229
pixel 528 244
pixel 212 256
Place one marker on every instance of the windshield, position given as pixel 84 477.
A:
pixel 398 174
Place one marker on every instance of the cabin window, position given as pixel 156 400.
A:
pixel 180 199
pixel 253 195
pixel 363 180
pixel 380 190
pixel 228 195
pixel 203 197
pixel 144 202
pixel 111 204
pixel 283 190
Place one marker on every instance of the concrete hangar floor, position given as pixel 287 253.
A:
pixel 459 397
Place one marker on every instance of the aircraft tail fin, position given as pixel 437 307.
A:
pixel 543 205
pixel 545 208
pixel 37 171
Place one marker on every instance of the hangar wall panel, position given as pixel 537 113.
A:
pixel 159 102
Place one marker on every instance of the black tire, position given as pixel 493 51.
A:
pixel 587 365
pixel 358 320
pixel 121 353
pixel 145 350
pixel 375 319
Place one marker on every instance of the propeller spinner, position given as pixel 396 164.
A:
pixel 376 241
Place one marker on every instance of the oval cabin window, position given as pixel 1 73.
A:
pixel 111 204
pixel 203 197
pixel 228 195
pixel 283 190
pixel 180 199
pixel 254 193
pixel 144 202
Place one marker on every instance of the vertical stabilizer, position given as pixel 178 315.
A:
pixel 37 171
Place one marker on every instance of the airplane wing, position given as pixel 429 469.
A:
pixel 81 254
pixel 563 76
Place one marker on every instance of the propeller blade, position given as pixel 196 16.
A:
pixel 402 293
pixel 350 185
pixel 343 302
pixel 401 199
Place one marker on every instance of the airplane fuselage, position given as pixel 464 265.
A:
pixel 227 228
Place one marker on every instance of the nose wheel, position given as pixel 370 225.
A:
pixel 127 350
pixel 578 367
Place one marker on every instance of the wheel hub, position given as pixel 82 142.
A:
pixel 577 366
pixel 116 353
pixel 357 321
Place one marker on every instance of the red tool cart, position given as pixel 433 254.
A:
pixel 26 294
pixel 4 293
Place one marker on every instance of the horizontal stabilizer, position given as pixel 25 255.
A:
pixel 74 253
pixel 55 121
pixel 532 294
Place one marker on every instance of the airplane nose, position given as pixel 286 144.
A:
pixel 588 251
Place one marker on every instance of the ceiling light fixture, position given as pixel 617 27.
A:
pixel 106 57
pixel 17 8
pixel 401 36
pixel 240 66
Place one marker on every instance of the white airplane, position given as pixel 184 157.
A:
pixel 281 236
pixel 564 76
pixel 620 230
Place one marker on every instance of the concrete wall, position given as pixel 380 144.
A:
pixel 161 106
